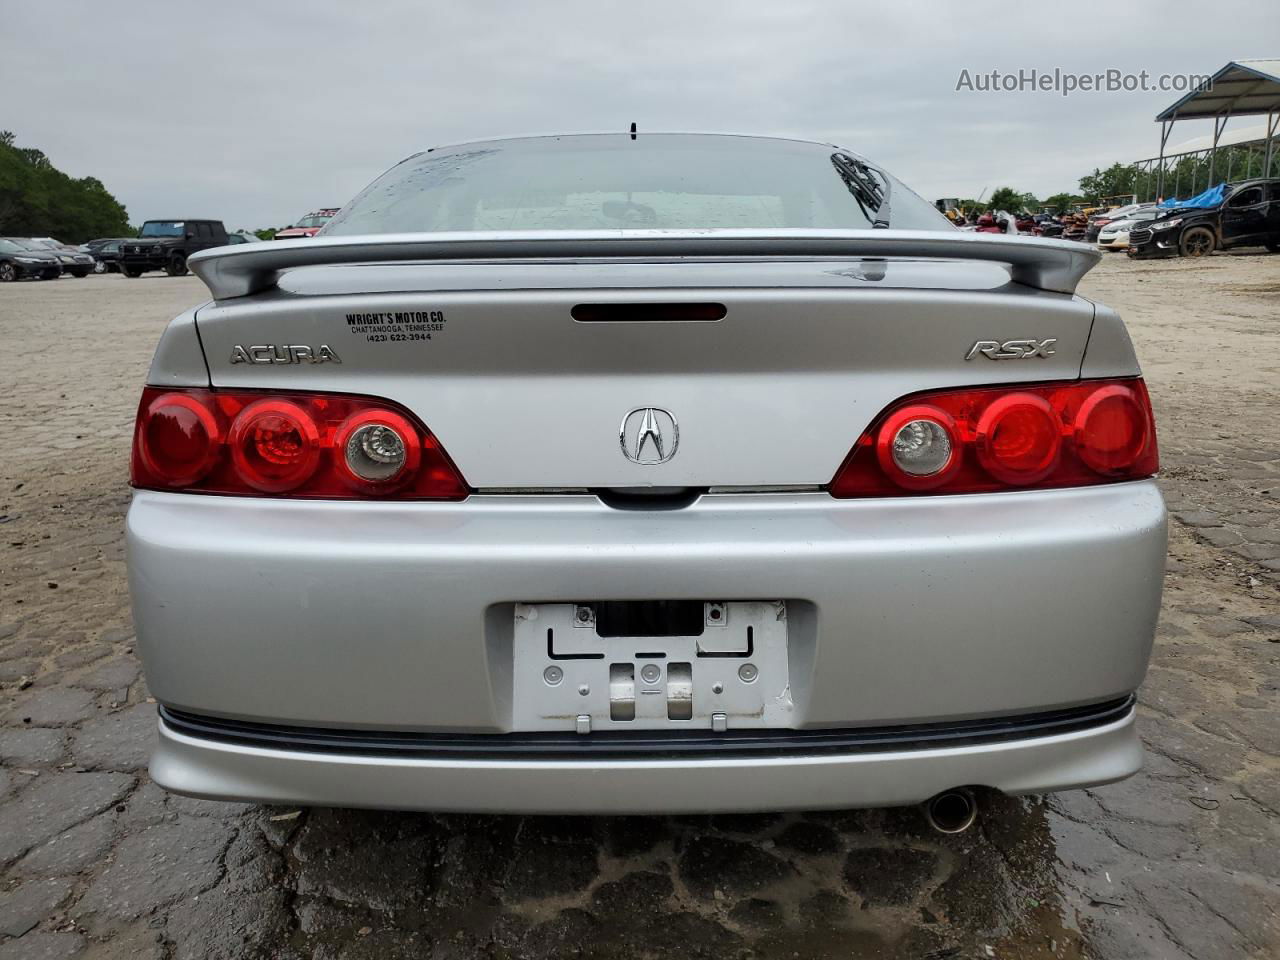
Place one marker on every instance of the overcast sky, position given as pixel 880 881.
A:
pixel 259 112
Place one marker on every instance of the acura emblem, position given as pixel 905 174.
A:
pixel 649 435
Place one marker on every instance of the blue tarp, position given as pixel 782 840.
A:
pixel 1212 197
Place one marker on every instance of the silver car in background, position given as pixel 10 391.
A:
pixel 1115 235
pixel 643 473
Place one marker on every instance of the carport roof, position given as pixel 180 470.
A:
pixel 1241 87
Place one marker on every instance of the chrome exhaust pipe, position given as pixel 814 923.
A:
pixel 951 811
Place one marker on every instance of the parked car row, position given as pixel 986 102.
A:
pixel 42 258
pixel 160 245
pixel 1241 214
pixel 1109 229
pixel 166 244
pixel 1246 214
pixel 107 250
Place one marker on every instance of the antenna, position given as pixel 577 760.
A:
pixel 633 129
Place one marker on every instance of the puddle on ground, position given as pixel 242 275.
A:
pixel 874 883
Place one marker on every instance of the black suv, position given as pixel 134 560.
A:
pixel 1249 216
pixel 166 244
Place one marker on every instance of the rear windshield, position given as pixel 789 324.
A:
pixel 659 181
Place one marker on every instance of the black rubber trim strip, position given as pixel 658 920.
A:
pixel 646 744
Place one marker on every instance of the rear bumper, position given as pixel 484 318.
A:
pixel 397 618
pixel 400 616
pixel 226 770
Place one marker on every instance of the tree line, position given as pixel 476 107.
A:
pixel 39 200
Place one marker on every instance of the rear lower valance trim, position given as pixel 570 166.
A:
pixel 646 743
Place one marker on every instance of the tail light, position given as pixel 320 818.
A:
pixel 1002 438
pixel 287 444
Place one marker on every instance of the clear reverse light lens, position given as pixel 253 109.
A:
pixel 375 452
pixel 921 447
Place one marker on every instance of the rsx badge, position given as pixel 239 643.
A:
pixel 284 353
pixel 1012 349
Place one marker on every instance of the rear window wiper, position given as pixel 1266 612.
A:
pixel 869 186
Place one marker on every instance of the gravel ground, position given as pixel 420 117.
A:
pixel 95 862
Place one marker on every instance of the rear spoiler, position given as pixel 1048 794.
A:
pixel 245 269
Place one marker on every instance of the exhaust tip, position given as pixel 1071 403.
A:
pixel 952 811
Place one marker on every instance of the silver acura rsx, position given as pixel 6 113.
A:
pixel 643 473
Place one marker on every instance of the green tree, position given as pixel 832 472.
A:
pixel 266 233
pixel 37 199
pixel 1011 200
pixel 1062 202
pixel 1117 179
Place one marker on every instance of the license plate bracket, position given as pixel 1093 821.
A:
pixel 732 673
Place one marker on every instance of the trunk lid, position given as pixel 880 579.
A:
pixel 523 396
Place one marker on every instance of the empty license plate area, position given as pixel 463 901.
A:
pixel 628 665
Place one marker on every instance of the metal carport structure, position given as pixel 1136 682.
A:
pixel 1251 141
pixel 1242 88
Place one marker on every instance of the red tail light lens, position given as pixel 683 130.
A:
pixel 275 445
pixel 297 445
pixel 177 439
pixel 1018 438
pixel 1048 435
pixel 1112 430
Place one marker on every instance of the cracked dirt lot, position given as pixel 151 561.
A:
pixel 95 862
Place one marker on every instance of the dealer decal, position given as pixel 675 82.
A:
pixel 396 326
